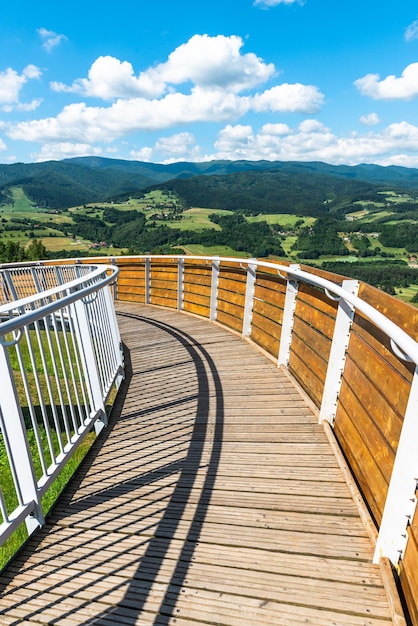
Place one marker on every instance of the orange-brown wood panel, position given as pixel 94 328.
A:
pixel 374 405
pixel 232 297
pixel 368 419
pixel 194 288
pixel 131 289
pixel 317 299
pixel 130 296
pixel 231 309
pixel 300 365
pixel 391 385
pixel 380 343
pixel 268 311
pixel 235 284
pixel 403 314
pixel 311 339
pixel 266 341
pixel 270 296
pixel 166 301
pixel 314 317
pixel 203 300
pixel 408 571
pixel 362 463
pixel 271 327
pixel 126 273
pixel 229 320
pixel 197 309
pixel 334 278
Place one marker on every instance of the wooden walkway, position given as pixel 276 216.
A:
pixel 214 498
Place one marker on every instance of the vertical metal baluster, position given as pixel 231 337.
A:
pixel 88 405
pixel 16 442
pixel 38 386
pixel 38 332
pixel 31 407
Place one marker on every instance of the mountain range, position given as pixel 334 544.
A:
pixel 263 186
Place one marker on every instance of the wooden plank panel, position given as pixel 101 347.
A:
pixel 265 340
pixel 203 300
pixel 197 309
pixel 317 299
pixel 313 366
pixel 230 297
pixel 310 340
pixel 382 376
pixel 314 317
pixel 306 377
pixel 214 498
pixel 196 289
pixel 229 317
pixel 362 462
pixel 268 311
pixel 404 315
pixel 380 424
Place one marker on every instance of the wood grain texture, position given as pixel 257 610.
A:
pixel 214 498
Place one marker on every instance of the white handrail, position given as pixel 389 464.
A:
pixel 405 342
pixel 56 372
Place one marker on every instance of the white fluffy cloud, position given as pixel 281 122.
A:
pixel 207 62
pixel 273 3
pixel 390 88
pixel 64 150
pixel 412 31
pixel 50 39
pixel 370 120
pixel 11 84
pixel 312 141
pixel 78 122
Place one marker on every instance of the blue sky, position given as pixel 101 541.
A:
pixel 164 81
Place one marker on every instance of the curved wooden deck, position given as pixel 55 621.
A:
pixel 215 498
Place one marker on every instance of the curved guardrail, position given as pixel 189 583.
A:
pixel 352 349
pixel 60 357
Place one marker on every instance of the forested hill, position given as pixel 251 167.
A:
pixel 255 186
pixel 274 191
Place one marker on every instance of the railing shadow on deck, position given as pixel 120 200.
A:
pixel 152 559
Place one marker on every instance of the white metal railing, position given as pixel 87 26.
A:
pixel 400 501
pixel 60 357
pixel 68 334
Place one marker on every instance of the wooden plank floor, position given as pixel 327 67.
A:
pixel 215 498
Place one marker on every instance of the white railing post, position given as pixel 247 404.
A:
pixel 214 288
pixel 88 359
pixel 288 319
pixel 147 280
pixel 401 501
pixel 20 457
pixel 337 356
pixel 114 330
pixel 180 283
pixel 115 284
pixel 249 297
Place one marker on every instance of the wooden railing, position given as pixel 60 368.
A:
pixel 351 348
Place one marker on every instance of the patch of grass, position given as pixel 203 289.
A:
pixel 198 250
